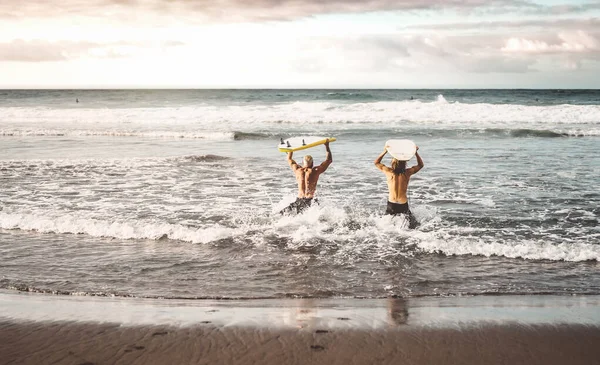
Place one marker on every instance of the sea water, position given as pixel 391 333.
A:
pixel 176 193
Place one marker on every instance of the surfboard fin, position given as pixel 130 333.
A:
pixel 288 144
pixel 282 142
pixel 304 144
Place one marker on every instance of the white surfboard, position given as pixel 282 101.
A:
pixel 301 143
pixel 401 149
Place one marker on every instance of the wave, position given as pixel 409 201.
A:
pixel 355 233
pixel 348 95
pixel 106 165
pixel 537 133
pixel 239 136
pixel 71 224
pixel 344 115
pixel 525 249
pixel 204 158
pixel 541 133
pixel 472 132
pixel 274 135
pixel 218 136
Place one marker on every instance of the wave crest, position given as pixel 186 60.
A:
pixel 69 224
pixel 358 233
pixel 258 118
pixel 208 135
pixel 206 158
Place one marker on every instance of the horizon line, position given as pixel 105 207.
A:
pixel 282 88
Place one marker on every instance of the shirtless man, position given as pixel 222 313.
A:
pixel 398 177
pixel 307 177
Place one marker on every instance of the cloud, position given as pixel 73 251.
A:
pixel 234 10
pixel 568 42
pixel 408 53
pixel 497 46
pixel 496 64
pixel 473 54
pixel 571 9
pixel 546 24
pixel 518 45
pixel 46 51
pixel 571 50
pixel 571 65
pixel 41 51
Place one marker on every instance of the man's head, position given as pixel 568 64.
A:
pixel 399 167
pixel 308 161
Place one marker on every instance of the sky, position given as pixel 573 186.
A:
pixel 299 44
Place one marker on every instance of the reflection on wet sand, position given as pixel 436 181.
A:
pixel 398 311
pixel 305 315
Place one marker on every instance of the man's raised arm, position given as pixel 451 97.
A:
pixel 420 164
pixel 291 162
pixel 378 163
pixel 328 160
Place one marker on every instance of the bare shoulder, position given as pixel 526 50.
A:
pixel 294 165
pixel 413 170
pixel 383 168
pixel 322 167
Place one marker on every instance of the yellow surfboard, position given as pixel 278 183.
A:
pixel 301 143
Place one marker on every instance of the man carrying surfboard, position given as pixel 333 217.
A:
pixel 307 177
pixel 398 177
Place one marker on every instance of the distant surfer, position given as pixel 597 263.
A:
pixel 307 177
pixel 398 177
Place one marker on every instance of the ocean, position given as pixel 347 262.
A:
pixel 175 194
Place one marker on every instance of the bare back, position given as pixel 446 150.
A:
pixel 397 186
pixel 398 182
pixel 307 178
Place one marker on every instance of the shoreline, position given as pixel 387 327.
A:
pixel 39 328
pixel 281 313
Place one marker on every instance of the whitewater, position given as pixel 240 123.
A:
pixel 176 194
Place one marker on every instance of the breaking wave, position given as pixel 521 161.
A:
pixel 353 233
pixel 71 224
pixel 439 113
pixel 240 136
pixel 218 136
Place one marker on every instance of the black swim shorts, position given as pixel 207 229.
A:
pixel 397 208
pixel 299 205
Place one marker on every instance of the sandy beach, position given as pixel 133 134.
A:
pixel 44 329
pixel 90 343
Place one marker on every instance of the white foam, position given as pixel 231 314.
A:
pixel 356 233
pixel 28 132
pixel 592 132
pixel 450 244
pixel 138 229
pixel 194 122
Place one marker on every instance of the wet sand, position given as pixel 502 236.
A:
pixel 87 343
pixel 479 330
